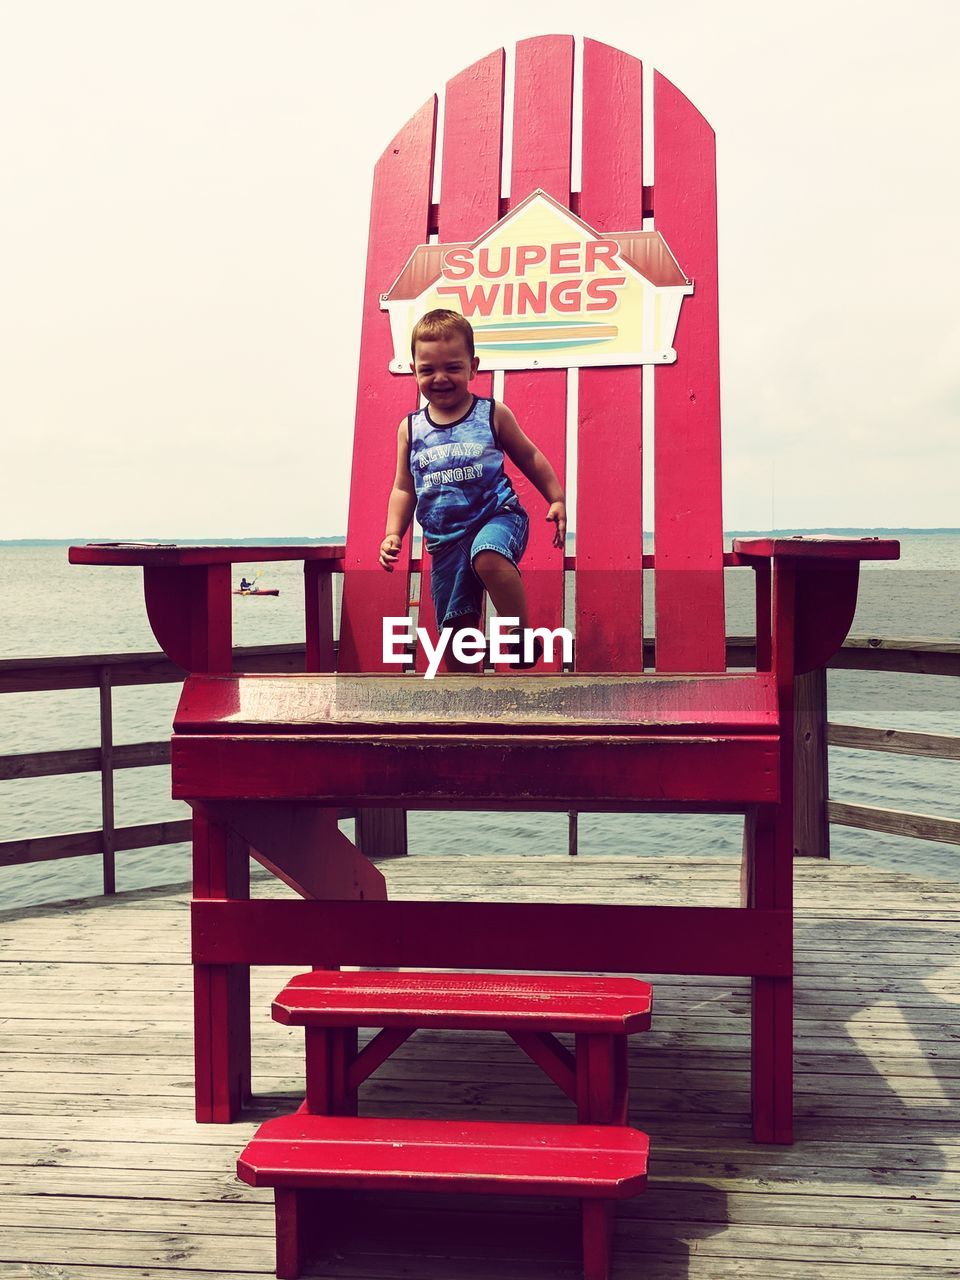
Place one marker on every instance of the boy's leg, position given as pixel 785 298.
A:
pixel 450 661
pixel 502 580
pixel 503 583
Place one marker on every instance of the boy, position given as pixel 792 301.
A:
pixel 450 470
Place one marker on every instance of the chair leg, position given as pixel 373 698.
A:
pixel 597 1238
pixel 290 1233
pixel 221 869
pixel 767 882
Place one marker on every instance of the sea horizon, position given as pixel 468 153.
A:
pixel 334 538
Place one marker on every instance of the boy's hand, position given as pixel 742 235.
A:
pixel 558 513
pixel 389 551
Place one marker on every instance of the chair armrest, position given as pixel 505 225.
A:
pixel 171 554
pixel 187 590
pixel 815 583
pixel 819 547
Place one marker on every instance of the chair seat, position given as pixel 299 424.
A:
pixel 565 742
pixel 566 705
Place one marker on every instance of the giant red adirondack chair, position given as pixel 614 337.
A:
pixel 265 760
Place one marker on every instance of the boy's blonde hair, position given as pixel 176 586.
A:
pixel 441 324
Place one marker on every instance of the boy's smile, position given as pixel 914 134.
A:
pixel 444 370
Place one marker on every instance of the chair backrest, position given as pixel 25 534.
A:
pixel 612 201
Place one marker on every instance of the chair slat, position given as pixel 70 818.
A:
pixel 399 221
pixel 542 148
pixel 687 492
pixel 609 517
pixel 472 159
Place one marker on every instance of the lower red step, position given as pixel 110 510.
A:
pixel 300 1154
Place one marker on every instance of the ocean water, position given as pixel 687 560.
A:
pixel 53 609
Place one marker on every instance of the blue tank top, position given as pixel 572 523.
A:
pixel 457 472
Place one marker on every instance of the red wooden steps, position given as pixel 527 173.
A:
pixel 303 1153
pixel 601 1012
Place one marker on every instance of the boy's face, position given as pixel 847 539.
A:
pixel 444 370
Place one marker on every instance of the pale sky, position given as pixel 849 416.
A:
pixel 184 190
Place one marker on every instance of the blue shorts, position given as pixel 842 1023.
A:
pixel 454 584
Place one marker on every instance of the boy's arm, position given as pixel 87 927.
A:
pixel 525 455
pixel 401 503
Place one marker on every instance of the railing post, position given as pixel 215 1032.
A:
pixel 811 823
pixel 572 833
pixel 106 781
pixel 382 833
pixel 318 604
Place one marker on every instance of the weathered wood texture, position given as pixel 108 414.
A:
pixel 104 1174
pixel 895 822
pixel 811 826
pixel 935 746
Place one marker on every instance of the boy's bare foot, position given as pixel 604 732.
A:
pixel 518 662
pixel 536 655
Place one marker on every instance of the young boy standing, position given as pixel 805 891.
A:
pixel 450 471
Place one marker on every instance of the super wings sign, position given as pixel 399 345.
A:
pixel 544 291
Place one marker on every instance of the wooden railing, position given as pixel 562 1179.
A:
pixel 814 808
pixel 104 672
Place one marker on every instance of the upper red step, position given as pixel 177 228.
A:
pixel 466 1001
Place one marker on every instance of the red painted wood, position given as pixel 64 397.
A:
pixel 343 1096
pixel 318 616
pixel 542 151
pixel 542 118
pixel 319 1049
pixel 566 706
pixel 602 1083
pixel 767 882
pixel 551 1057
pixel 399 221
pixel 302 845
pixel 824 608
pixel 509 935
pixel 466 1001
pixel 221 992
pixel 375 1052
pixel 815 547
pixel 191 610
pixel 469 203
pixel 688 521
pixel 471 155
pixel 170 556
pixel 485 771
pixel 763 613
pixel 606 1161
pixel 290 1232
pixel 609 516
pixel 597 1239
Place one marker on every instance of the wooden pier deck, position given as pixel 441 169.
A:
pixel 106 1177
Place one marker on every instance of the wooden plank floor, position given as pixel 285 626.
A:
pixel 105 1176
